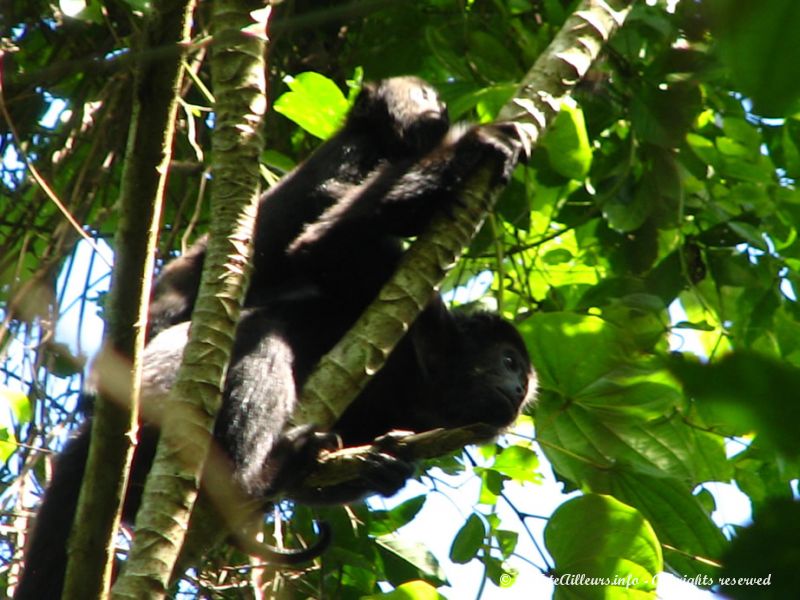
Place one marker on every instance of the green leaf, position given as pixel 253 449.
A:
pixel 703 326
pixel 663 179
pixel 492 56
pixel 703 148
pixel 748 392
pixel 567 143
pixel 314 102
pixel 278 160
pixel 679 519
pixel 388 521
pixel 498 573
pixel 405 560
pixel 757 45
pixel 507 541
pixel 583 444
pixel 19 406
pixel 514 204
pixel 616 544
pixel 557 256
pixel 8 443
pixel 732 268
pixel 17 403
pixel 656 195
pixel 469 540
pixel 643 317
pixel 663 116
pixel 519 463
pixel 413 590
pixel 143 6
pixel 791 153
pixel 599 406
pixel 749 233
pixel 558 343
pixel 627 210
pixel 492 485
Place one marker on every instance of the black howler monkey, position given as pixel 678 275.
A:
pixel 397 120
pixel 327 238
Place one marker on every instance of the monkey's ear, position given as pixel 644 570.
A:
pixel 365 101
pixel 434 337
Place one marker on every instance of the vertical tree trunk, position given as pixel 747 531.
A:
pixel 238 73
pixel 114 426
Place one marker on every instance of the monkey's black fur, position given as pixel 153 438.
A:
pixel 398 120
pixel 327 238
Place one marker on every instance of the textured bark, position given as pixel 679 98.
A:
pixel 114 425
pixel 238 73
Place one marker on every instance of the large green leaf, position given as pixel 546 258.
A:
pixel 757 43
pixel 693 542
pixel 413 590
pixel 567 143
pixel 619 554
pixel 314 102
pixel 748 392
pixel 405 560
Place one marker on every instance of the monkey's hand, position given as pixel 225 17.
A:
pixel 499 143
pixel 295 456
pixel 382 467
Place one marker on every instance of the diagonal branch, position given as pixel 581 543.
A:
pixel 345 370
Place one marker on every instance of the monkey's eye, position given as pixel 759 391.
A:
pixel 510 361
pixel 423 96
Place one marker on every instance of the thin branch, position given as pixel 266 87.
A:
pixel 38 177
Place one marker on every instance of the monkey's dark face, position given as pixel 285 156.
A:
pixel 500 380
pixel 511 380
pixel 497 387
pixel 485 376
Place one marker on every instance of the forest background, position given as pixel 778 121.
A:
pixel 647 251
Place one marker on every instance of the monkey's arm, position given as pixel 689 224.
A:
pixel 402 197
